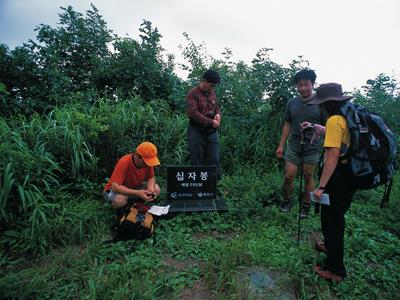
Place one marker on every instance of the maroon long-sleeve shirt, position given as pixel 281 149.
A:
pixel 202 106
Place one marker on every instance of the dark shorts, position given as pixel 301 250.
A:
pixel 295 157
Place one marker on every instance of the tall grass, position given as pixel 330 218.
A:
pixel 73 149
pixel 6 184
pixel 51 176
pixel 214 249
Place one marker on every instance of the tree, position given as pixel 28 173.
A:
pixel 382 95
pixel 63 61
pixel 138 67
pixel 71 55
pixel 19 74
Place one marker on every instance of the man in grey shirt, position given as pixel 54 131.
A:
pixel 298 110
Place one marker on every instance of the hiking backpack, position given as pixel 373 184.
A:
pixel 373 148
pixel 136 223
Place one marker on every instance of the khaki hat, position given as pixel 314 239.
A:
pixel 329 92
pixel 148 152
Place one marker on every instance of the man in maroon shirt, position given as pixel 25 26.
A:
pixel 205 118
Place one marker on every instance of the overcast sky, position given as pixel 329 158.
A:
pixel 345 41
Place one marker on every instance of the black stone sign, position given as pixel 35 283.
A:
pixel 191 182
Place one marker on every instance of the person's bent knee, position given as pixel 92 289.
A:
pixel 289 178
pixel 308 177
pixel 157 189
pixel 119 201
pixel 308 173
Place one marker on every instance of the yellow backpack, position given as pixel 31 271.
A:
pixel 135 224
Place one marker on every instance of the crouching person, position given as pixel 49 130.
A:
pixel 133 178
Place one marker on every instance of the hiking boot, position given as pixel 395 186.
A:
pixel 304 212
pixel 286 206
pixel 320 247
pixel 326 274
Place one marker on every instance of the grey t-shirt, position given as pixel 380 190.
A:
pixel 297 112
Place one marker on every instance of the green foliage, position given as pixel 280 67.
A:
pixel 211 248
pixel 71 54
pixel 74 59
pixel 382 95
pixel 63 60
pixel 71 107
pixel 22 91
pixel 138 67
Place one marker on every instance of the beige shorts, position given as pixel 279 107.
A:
pixel 109 196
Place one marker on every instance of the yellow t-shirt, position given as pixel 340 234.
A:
pixel 337 134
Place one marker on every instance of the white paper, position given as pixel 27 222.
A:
pixel 323 200
pixel 159 210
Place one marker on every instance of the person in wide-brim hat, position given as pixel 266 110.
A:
pixel 329 92
pixel 336 180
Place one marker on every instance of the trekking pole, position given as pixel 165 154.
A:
pixel 301 180
pixel 386 194
pixel 219 148
pixel 320 163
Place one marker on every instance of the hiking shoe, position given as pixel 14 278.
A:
pixel 304 212
pixel 286 206
pixel 326 274
pixel 320 247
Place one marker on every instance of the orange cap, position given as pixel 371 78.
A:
pixel 148 152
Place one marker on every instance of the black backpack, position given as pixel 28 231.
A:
pixel 373 148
